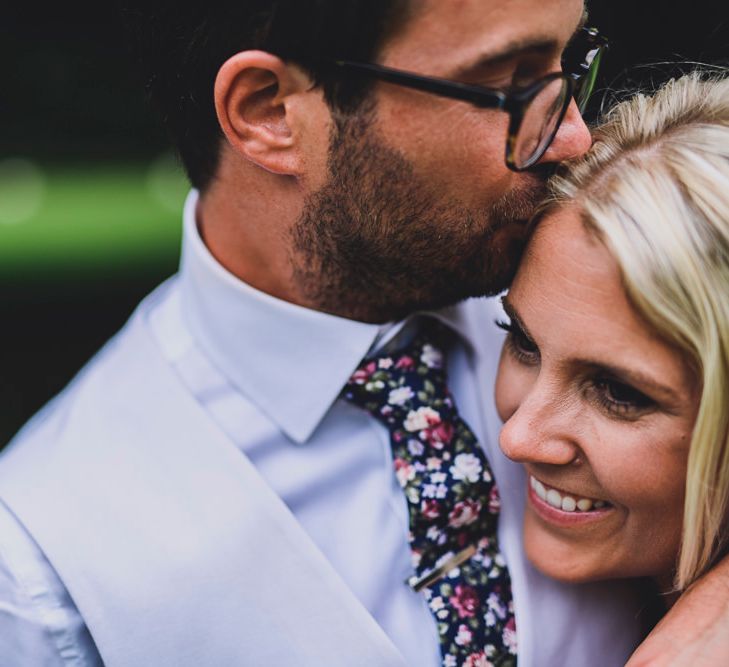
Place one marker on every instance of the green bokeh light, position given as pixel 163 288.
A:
pixel 84 217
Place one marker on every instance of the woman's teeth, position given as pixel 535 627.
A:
pixel 562 501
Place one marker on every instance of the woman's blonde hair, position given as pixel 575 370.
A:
pixel 655 189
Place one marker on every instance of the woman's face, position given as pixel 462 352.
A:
pixel 597 408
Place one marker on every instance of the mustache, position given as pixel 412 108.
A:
pixel 519 205
pixel 544 171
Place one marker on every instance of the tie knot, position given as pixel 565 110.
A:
pixel 411 379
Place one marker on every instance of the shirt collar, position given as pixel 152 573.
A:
pixel 247 334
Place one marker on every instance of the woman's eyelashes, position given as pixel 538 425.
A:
pixel 611 395
pixel 518 343
pixel 618 398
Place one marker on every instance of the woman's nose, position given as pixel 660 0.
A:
pixel 541 431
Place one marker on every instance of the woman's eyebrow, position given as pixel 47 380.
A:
pixel 514 316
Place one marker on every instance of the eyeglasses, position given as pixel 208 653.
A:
pixel 535 111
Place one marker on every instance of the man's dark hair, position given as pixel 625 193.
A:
pixel 180 46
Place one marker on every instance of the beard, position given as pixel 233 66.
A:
pixel 376 243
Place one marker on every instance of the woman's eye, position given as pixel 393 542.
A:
pixel 519 345
pixel 621 399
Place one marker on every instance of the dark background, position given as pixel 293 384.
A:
pixel 67 96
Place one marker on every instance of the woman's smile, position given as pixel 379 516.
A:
pixel 564 508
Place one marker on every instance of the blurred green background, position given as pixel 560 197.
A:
pixel 87 217
pixel 90 197
pixel 91 194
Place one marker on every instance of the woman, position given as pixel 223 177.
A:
pixel 614 379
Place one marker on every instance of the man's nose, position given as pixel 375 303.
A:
pixel 572 139
pixel 541 431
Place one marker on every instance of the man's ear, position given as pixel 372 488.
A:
pixel 254 93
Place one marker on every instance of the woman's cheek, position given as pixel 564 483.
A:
pixel 513 383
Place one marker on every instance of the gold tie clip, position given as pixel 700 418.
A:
pixel 419 583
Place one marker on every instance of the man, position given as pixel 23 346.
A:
pixel 207 492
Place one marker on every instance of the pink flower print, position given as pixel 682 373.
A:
pixel 430 509
pixel 464 513
pixel 405 363
pixel 439 435
pixel 494 500
pixel 420 419
pixel 464 635
pixel 436 604
pixel 434 463
pixel 478 660
pixel 404 471
pixel 466 467
pixel 509 635
pixel 465 601
pixel 362 375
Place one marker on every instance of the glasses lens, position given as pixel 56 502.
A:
pixel 540 123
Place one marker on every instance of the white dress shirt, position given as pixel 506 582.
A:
pixel 240 353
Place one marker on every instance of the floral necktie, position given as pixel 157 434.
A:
pixel 452 500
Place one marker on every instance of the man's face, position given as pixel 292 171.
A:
pixel 420 210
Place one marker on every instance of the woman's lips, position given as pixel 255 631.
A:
pixel 557 506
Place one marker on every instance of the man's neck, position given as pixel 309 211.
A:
pixel 246 229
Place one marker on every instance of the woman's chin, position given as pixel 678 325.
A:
pixel 574 561
pixel 561 573
pixel 584 552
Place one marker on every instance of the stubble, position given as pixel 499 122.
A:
pixel 377 243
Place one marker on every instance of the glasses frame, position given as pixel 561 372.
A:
pixel 514 102
pixel 585 52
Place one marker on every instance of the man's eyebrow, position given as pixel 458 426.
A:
pixel 516 48
pixel 509 52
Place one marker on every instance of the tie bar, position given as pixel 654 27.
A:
pixel 419 583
